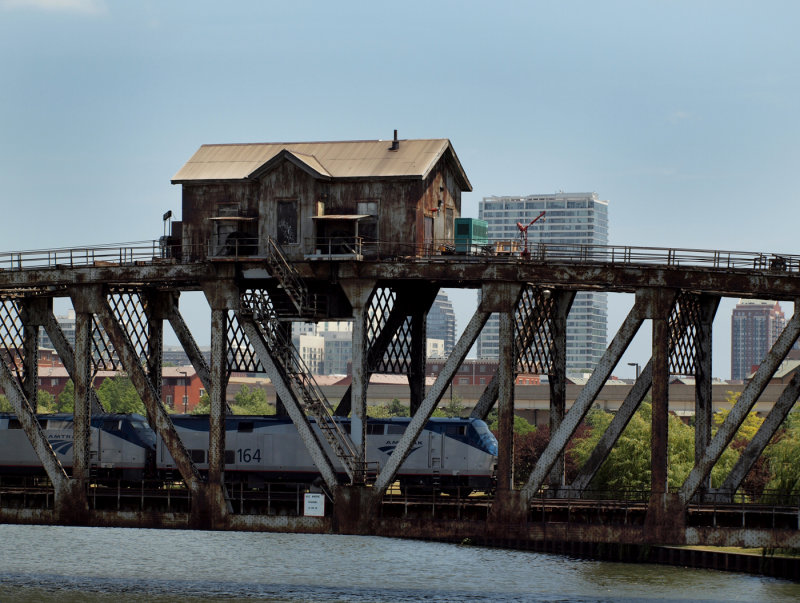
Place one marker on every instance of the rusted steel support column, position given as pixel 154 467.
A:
pixel 156 313
pixel 285 334
pixel 358 293
pixel 558 375
pixel 584 401
pixel 43 310
pixel 662 306
pixel 621 419
pixel 149 395
pixel 293 406
pixel 505 405
pixel 82 414
pixel 435 393
pixel 703 403
pixel 222 296
pixel 30 355
pixel 50 463
pixel 216 419
pixel 397 316
pixel 416 369
pixel 768 429
pixel 747 399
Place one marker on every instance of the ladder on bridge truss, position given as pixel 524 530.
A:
pixel 297 375
pixel 289 294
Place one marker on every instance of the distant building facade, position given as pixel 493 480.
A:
pixel 755 325
pixel 570 219
pixel 441 322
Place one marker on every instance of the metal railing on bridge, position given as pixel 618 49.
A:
pixel 155 252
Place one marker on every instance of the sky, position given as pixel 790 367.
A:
pixel 682 114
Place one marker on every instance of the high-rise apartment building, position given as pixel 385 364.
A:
pixel 441 322
pixel 755 325
pixel 570 219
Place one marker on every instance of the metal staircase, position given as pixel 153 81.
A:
pixel 289 294
pixel 299 379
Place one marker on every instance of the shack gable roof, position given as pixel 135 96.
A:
pixel 413 159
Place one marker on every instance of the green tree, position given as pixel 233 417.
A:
pixel 783 459
pixel 454 407
pixel 45 402
pixel 66 399
pixel 251 402
pixel 521 425
pixel 5 405
pixel 118 395
pixel 203 406
pixel 627 466
pixel 397 408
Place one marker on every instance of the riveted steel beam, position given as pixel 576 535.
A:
pixel 621 419
pixel 358 293
pixel 189 344
pixel 660 309
pixel 534 328
pixel 585 399
pixel 82 413
pixel 505 402
pixel 27 419
pixel 755 447
pixel 417 424
pixel 557 375
pixel 747 399
pixel 406 298
pixel 41 310
pixel 293 407
pixel 144 387
pixel 703 405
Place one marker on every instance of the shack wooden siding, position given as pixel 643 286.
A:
pixel 288 182
pixel 201 202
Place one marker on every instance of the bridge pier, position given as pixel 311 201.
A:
pixel 354 510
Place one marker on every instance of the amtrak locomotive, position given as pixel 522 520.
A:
pixel 121 446
pixel 457 455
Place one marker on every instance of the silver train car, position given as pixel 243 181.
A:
pixel 455 455
pixel 121 446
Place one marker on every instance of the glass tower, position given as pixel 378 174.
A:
pixel 570 218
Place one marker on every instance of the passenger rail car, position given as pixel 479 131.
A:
pixel 121 446
pixel 457 455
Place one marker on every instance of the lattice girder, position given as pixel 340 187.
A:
pixel 533 340
pixel 396 359
pixel 684 326
pixel 11 337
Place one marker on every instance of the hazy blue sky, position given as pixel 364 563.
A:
pixel 683 115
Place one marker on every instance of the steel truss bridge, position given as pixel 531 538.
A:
pixel 123 294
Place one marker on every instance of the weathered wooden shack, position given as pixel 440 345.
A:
pixel 320 200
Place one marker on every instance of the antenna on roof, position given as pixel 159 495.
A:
pixel 395 143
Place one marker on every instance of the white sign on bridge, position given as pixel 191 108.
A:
pixel 314 505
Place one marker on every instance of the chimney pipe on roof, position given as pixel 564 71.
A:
pixel 395 143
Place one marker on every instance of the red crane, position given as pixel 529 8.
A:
pixel 523 234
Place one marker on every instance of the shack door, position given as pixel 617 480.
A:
pixel 428 242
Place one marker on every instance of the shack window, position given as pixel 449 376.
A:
pixel 287 222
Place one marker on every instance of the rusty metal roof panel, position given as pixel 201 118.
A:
pixel 345 159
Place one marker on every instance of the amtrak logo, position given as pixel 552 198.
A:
pixel 389 448
pixel 61 446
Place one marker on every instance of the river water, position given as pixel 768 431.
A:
pixel 71 564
